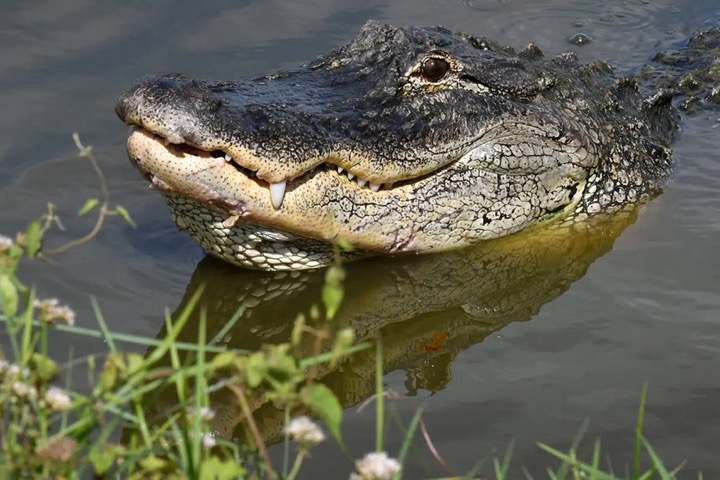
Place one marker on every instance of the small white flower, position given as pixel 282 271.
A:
pixel 13 370
pixel 51 311
pixel 16 371
pixel 47 302
pixel 207 414
pixel 305 431
pixel 5 242
pixel 208 440
pixel 58 399
pixel 24 390
pixel 375 466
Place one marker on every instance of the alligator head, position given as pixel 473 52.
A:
pixel 403 140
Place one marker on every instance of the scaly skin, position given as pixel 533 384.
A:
pixel 459 140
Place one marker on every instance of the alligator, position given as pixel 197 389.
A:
pixel 407 140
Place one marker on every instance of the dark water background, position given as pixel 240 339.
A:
pixel 647 311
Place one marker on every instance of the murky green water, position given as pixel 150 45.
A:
pixel 521 339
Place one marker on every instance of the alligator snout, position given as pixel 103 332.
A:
pixel 172 106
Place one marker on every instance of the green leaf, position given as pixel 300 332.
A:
pixel 332 292
pixel 255 369
pixel 218 469
pixel 122 211
pixel 8 296
pixel 89 204
pixel 344 245
pixel 102 458
pixel 33 238
pixel 15 254
pixel 114 368
pixel 44 366
pixel 323 403
pixel 297 330
pixel 223 360
pixel 154 464
pixel 332 298
pixel 134 362
pixel 343 341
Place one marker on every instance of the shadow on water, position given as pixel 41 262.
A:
pixel 427 309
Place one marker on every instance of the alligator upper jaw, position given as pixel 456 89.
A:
pixel 283 128
pixel 315 205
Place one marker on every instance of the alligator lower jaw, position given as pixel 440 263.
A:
pixel 314 205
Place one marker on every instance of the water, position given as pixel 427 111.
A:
pixel 606 314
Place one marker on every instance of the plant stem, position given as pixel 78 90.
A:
pixel 296 465
pixel 379 402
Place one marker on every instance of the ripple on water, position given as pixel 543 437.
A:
pixel 604 22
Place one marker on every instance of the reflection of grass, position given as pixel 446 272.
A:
pixel 104 429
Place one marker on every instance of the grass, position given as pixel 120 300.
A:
pixel 103 429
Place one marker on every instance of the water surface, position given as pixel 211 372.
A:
pixel 551 334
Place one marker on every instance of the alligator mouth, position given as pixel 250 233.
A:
pixel 140 138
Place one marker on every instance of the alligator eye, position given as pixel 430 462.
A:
pixel 434 69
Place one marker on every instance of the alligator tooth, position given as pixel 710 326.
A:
pixel 351 176
pixel 277 193
pixel 340 169
pixel 361 182
pixel 228 158
pixel 375 186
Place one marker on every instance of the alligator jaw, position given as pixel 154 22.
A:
pixel 299 206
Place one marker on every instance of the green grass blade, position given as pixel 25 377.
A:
pixel 286 443
pixel 574 462
pixel 173 329
pixel 181 442
pixel 226 328
pixel 121 337
pixel 409 437
pixel 379 396
pixel 327 356
pixel 201 399
pixel 12 336
pixel 501 470
pixel 639 432
pixel 26 345
pixel 103 326
pixel 564 470
pixel 595 461
pixel 656 462
pixel 182 437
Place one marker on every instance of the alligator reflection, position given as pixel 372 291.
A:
pixel 426 308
